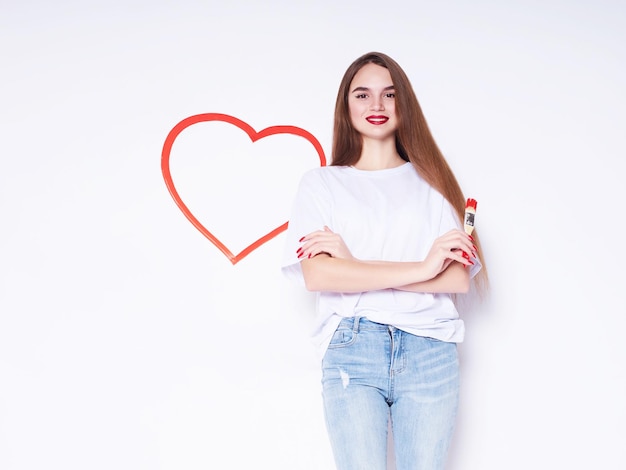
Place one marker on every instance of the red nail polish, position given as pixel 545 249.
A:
pixel 299 250
pixel 301 239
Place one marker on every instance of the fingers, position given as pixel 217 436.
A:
pixel 453 246
pixel 457 240
pixel 312 244
pixel 455 255
pixel 467 250
pixel 466 259
pixel 323 241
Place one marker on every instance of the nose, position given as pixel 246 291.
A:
pixel 377 104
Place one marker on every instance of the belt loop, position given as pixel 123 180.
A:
pixel 355 325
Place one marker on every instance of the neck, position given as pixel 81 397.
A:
pixel 379 155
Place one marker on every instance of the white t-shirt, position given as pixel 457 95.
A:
pixel 390 215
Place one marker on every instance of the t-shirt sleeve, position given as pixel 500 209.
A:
pixel 450 221
pixel 310 212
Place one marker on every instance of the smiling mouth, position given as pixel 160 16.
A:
pixel 377 120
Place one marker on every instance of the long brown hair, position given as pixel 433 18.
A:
pixel 414 141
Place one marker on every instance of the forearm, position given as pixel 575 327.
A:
pixel 324 273
pixel 454 279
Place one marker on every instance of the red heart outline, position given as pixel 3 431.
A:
pixel 254 136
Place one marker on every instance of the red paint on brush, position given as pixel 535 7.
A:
pixel 471 203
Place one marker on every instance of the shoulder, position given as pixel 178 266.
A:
pixel 322 175
pixel 322 171
pixel 422 185
pixel 432 199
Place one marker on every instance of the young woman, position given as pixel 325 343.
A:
pixel 377 234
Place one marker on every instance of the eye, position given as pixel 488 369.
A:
pixel 390 95
pixel 360 96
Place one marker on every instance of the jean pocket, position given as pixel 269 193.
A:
pixel 342 337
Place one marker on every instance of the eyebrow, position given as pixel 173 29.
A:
pixel 363 88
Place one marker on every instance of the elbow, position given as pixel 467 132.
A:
pixel 311 286
pixel 312 277
pixel 463 284
pixel 310 283
pixel 459 280
pixel 313 283
pixel 464 287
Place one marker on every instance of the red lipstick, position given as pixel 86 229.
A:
pixel 377 120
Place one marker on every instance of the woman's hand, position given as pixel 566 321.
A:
pixel 323 241
pixel 448 248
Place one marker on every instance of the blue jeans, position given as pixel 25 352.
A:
pixel 372 373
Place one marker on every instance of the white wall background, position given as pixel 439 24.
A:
pixel 128 341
